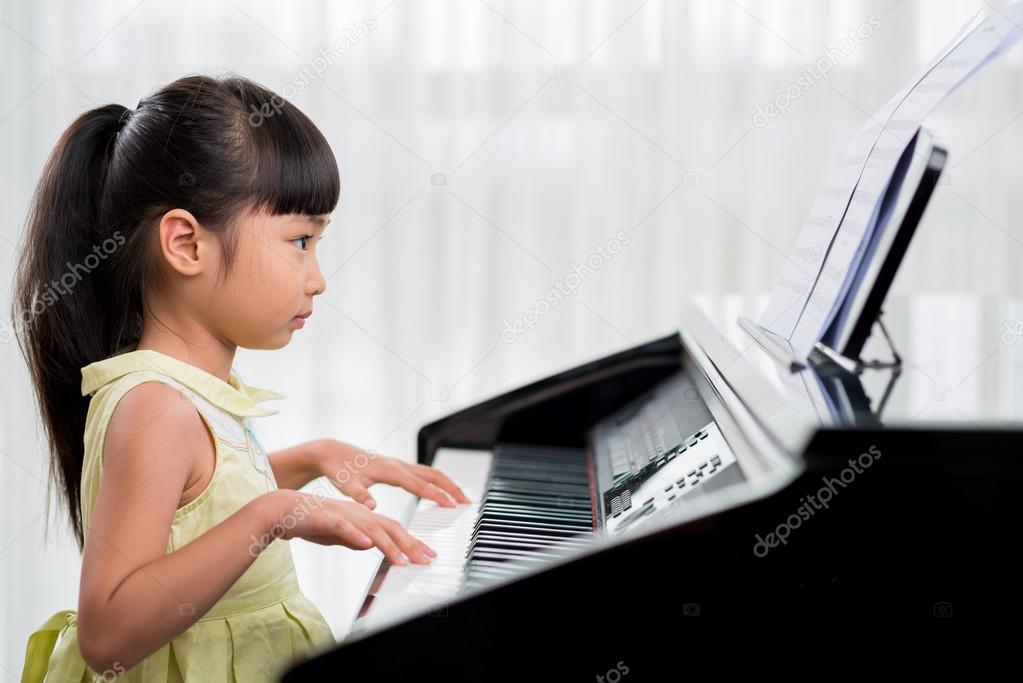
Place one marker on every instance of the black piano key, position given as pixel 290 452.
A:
pixel 536 511
pixel 536 506
pixel 530 539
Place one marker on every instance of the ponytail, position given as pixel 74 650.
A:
pixel 89 245
pixel 56 304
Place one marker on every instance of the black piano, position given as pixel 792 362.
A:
pixel 636 506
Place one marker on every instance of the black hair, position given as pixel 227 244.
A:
pixel 214 146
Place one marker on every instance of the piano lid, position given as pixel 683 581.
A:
pixel 962 367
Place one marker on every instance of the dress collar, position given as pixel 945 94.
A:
pixel 232 396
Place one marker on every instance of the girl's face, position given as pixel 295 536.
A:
pixel 269 290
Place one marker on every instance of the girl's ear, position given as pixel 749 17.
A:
pixel 183 242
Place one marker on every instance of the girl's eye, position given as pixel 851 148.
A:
pixel 302 242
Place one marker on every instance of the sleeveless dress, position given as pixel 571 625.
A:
pixel 264 621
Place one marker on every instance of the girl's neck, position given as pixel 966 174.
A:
pixel 195 346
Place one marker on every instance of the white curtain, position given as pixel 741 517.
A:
pixel 489 150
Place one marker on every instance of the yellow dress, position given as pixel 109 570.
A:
pixel 263 621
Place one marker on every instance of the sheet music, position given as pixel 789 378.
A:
pixel 799 274
pixel 821 268
pixel 908 175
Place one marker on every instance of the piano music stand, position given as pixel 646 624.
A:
pixel 904 203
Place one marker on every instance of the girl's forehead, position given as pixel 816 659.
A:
pixel 292 219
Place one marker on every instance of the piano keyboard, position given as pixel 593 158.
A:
pixel 529 505
pixel 537 501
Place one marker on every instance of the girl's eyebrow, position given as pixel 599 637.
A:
pixel 318 220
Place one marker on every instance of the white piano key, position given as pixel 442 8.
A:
pixel 446 530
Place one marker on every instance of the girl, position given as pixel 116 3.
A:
pixel 159 241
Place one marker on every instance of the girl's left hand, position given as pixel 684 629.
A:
pixel 353 470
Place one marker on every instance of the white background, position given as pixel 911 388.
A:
pixel 542 164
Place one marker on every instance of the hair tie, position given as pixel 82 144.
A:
pixel 125 116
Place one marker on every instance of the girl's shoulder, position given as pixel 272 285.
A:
pixel 119 396
pixel 224 406
pixel 229 402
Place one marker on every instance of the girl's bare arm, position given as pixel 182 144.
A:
pixel 134 597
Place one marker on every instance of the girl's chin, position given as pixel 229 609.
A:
pixel 270 343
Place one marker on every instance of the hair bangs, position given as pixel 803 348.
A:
pixel 294 169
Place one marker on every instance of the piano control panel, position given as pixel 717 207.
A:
pixel 660 450
pixel 702 463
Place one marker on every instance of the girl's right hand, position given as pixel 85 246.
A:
pixel 329 521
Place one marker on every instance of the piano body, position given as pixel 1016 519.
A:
pixel 626 509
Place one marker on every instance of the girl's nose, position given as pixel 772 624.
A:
pixel 316 285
